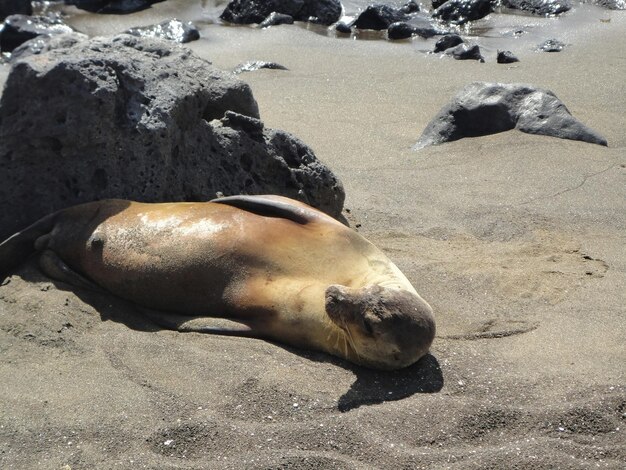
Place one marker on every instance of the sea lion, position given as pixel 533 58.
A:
pixel 258 266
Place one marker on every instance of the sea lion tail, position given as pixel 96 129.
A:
pixel 18 247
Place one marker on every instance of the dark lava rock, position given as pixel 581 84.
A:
pixel 275 19
pixel 488 108
pixel 343 28
pixel 20 28
pixel 112 6
pixel 612 4
pixel 142 119
pixel 539 7
pixel 551 45
pixel 253 65
pixel 15 7
pixel 410 7
pixel 379 17
pixel 254 11
pixel 447 41
pixel 466 52
pixel 172 30
pixel 506 57
pixel 437 3
pixel 400 30
pixel 461 11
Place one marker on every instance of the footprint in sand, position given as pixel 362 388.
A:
pixel 494 328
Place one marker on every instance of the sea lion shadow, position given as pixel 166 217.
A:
pixel 373 387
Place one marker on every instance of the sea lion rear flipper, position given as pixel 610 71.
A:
pixel 276 206
pixel 200 324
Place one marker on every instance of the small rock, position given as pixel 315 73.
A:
pixel 410 7
pixel 551 45
pixel 379 17
pixel 112 6
pixel 275 19
pixel 172 30
pixel 447 41
pixel 253 11
pixel 20 28
pixel 400 30
pixel 466 52
pixel 253 65
pixel 462 11
pixel 539 7
pixel 506 57
pixel 343 28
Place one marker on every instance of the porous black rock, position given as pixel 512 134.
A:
pixel 275 19
pixel 539 7
pixel 15 7
pixel 20 28
pixel 462 11
pixel 410 7
pixel 172 30
pixel 253 65
pixel 506 57
pixel 141 119
pixel 112 6
pixel 466 52
pixel 551 45
pixel 437 3
pixel 400 30
pixel 343 28
pixel 254 11
pixel 42 44
pixel 447 41
pixel 379 17
pixel 488 108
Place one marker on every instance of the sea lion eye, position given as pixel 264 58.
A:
pixel 368 327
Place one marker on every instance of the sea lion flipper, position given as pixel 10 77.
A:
pixel 275 206
pixel 200 324
pixel 55 267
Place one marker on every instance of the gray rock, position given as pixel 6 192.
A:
pixel 539 7
pixel 254 65
pixel 43 44
pixel 15 7
pixel 254 11
pixel 172 30
pixel 462 11
pixel 142 119
pixel 466 52
pixel 551 45
pixel 488 108
pixel 275 19
pixel 400 30
pixel 20 28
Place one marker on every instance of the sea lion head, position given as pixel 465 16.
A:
pixel 388 328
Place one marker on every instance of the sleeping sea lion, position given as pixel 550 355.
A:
pixel 257 266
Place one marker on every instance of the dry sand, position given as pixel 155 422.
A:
pixel 517 241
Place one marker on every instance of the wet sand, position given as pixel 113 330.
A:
pixel 517 241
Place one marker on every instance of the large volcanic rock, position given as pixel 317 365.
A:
pixel 142 119
pixel 487 108
pixel 539 7
pixel 112 6
pixel 254 11
pixel 462 11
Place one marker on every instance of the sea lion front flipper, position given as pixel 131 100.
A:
pixel 55 267
pixel 276 206
pixel 200 324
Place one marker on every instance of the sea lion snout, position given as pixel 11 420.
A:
pixel 389 328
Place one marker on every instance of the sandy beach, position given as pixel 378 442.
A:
pixel 517 241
